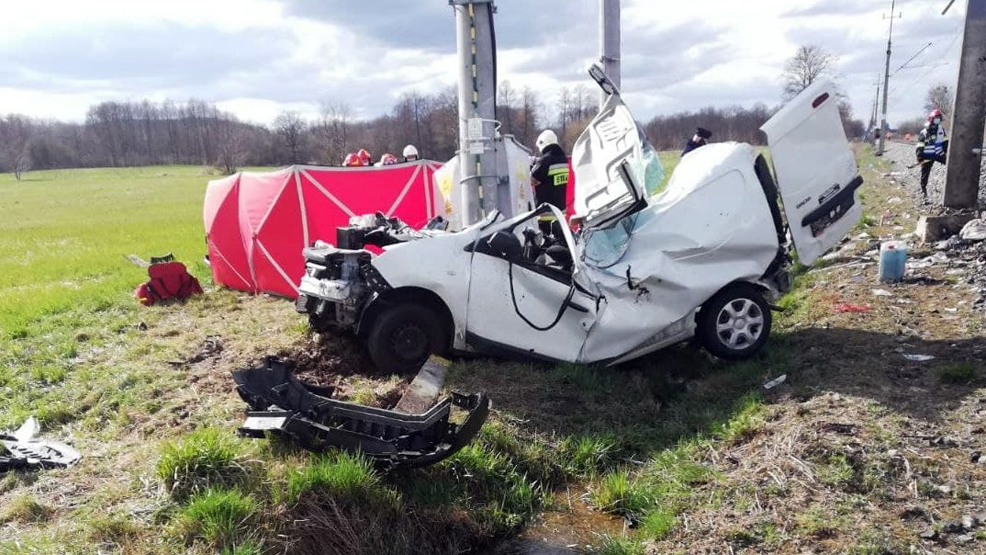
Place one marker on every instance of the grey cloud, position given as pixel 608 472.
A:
pixel 430 25
pixel 866 55
pixel 833 7
pixel 656 56
pixel 403 23
pixel 139 57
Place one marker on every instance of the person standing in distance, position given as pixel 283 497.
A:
pixel 410 153
pixel 549 177
pixel 701 138
pixel 932 147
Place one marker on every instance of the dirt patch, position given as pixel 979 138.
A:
pixel 340 362
pixel 328 355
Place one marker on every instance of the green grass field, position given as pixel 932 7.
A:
pixel 63 236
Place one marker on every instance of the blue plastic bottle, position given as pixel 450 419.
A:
pixel 893 260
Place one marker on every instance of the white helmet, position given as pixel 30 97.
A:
pixel 410 153
pixel 547 137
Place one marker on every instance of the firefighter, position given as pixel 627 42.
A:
pixel 352 160
pixel 932 147
pixel 410 153
pixel 549 177
pixel 699 139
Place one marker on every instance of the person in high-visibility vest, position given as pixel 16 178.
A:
pixel 549 177
pixel 932 147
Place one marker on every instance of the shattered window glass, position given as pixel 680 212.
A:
pixel 650 168
pixel 605 247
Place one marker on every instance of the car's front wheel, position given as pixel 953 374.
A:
pixel 735 324
pixel 403 336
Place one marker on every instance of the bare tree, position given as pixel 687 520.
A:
pixel 506 98
pixel 16 133
pixel 231 137
pixel 410 121
pixel 939 98
pixel 333 131
pixel 808 64
pixel 564 109
pixel 291 129
pixel 443 125
pixel 530 118
pixel 853 128
pixel 583 104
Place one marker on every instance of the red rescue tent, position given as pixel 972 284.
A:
pixel 257 224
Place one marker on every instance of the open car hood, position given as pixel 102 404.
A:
pixel 613 166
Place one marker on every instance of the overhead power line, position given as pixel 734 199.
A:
pixel 911 59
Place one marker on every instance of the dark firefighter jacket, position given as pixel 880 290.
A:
pixel 550 177
pixel 692 145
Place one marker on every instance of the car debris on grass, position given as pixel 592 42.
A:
pixel 305 414
pixel 21 449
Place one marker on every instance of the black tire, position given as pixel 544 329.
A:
pixel 735 323
pixel 403 336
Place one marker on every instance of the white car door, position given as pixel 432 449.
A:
pixel 520 306
pixel 816 170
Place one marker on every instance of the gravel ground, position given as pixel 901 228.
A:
pixel 966 261
pixel 901 155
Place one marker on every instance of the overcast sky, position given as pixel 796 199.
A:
pixel 256 58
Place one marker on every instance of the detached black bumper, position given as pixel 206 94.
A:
pixel 283 405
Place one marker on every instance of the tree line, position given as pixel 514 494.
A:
pixel 124 134
pixel 120 134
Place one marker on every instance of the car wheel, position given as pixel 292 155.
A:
pixel 403 336
pixel 735 324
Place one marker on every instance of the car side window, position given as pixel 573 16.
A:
pixel 525 246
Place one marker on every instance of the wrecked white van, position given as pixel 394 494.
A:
pixel 653 264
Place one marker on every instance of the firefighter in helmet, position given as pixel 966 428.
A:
pixel 410 153
pixel 932 147
pixel 549 177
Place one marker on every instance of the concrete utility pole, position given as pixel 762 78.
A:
pixel 969 114
pixel 609 41
pixel 876 107
pixel 477 104
pixel 886 83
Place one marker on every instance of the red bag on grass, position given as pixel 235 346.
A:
pixel 169 280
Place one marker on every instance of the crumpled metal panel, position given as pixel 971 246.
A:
pixel 284 406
